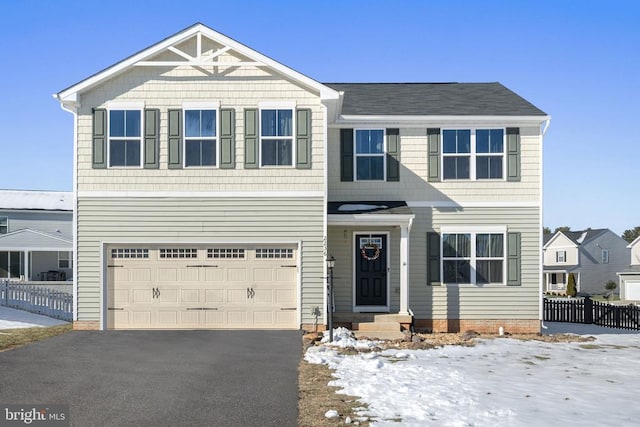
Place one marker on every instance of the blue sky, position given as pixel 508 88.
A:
pixel 577 61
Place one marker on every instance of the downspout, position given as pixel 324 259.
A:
pixel 545 127
pixel 72 107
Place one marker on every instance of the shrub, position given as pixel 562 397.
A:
pixel 571 286
pixel 610 285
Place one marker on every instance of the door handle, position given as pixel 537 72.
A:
pixel 250 293
pixel 156 292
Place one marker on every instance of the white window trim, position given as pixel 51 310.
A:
pixel 474 231
pixel 6 222
pixel 383 155
pixel 121 106
pixel 605 259
pixel 473 154
pixel 564 257
pixel 200 105
pixel 69 259
pixel 267 105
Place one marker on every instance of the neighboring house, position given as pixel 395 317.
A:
pixel 593 256
pixel 213 183
pixel 35 235
pixel 630 276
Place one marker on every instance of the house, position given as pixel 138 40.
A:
pixel 213 183
pixel 35 235
pixel 629 277
pixel 593 256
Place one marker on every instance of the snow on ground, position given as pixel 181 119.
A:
pixel 498 382
pixel 11 318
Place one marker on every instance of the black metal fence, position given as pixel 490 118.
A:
pixel 591 312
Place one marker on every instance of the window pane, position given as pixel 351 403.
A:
pixel 133 153
pixel 497 245
pixel 192 123
pixel 117 153
pixel 449 141
pixel 482 167
pixel 489 167
pixel 495 167
pixel 208 153
pixel 449 245
pixel 489 271
pixel 464 245
pixel 369 168
pixel 449 168
pixel 277 152
pixel 285 119
pixel 462 167
pixel 376 141
pixel 116 123
pixel 464 141
pixel 192 153
pixel 132 123
pixel 268 125
pixel 482 141
pixel 208 123
pixel 4 265
pixel 456 271
pixel 496 141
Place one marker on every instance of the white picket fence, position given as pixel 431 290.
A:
pixel 46 298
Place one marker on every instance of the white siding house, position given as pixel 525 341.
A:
pixel 213 183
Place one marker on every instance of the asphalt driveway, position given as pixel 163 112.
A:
pixel 160 378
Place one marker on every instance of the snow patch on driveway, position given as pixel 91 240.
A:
pixel 11 318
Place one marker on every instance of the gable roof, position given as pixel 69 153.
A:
pixel 36 200
pixel 632 244
pixel 69 95
pixel 28 239
pixel 425 99
pixel 576 237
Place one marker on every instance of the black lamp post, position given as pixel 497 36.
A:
pixel 331 262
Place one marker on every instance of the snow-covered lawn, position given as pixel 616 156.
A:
pixel 497 382
pixel 11 318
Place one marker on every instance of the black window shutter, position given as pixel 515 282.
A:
pixel 151 138
pixel 393 154
pixel 514 259
pixel 99 141
pixel 513 154
pixel 303 139
pixel 346 154
pixel 175 139
pixel 433 153
pixel 251 140
pixel 433 258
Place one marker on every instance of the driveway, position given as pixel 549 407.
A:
pixel 160 378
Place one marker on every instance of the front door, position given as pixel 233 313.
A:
pixel 371 270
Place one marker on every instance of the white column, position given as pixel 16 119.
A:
pixel 26 265
pixel 404 269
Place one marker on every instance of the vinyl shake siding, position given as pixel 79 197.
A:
pixel 198 220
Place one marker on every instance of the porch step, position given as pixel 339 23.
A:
pixel 377 326
pixel 380 335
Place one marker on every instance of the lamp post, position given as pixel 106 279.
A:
pixel 331 262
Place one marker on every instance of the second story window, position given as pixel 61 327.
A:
pixel 561 256
pixel 4 225
pixel 475 154
pixel 125 130
pixel 456 153
pixel 605 256
pixel 489 153
pixel 276 137
pixel 369 154
pixel 200 142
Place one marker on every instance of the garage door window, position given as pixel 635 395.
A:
pixel 231 253
pixel 274 253
pixel 129 253
pixel 178 253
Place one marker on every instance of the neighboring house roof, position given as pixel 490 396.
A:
pixel 36 200
pixel 423 99
pixel 633 269
pixel 576 237
pixel 632 244
pixel 546 238
pixel 27 239
pixel 560 267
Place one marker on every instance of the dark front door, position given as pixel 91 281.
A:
pixel 371 270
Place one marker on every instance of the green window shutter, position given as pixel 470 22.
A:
pixel 99 143
pixel 346 154
pixel 393 154
pixel 303 139
pixel 433 258
pixel 251 139
pixel 433 152
pixel 513 259
pixel 227 138
pixel 151 139
pixel 513 154
pixel 175 139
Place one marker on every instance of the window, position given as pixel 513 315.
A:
pixel 561 256
pixel 11 265
pixel 4 225
pixel 473 258
pixel 558 279
pixel 125 130
pixel 473 154
pixel 225 253
pixel 200 143
pixel 274 253
pixel 276 137
pixel 178 253
pixel 129 253
pixel 369 154
pixel 64 260
pixel 605 256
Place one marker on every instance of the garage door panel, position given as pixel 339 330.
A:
pixel 632 290
pixel 223 288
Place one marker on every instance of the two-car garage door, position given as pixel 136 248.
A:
pixel 202 287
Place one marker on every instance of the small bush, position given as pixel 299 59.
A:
pixel 610 285
pixel 572 291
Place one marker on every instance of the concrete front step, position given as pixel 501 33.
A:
pixel 379 335
pixel 377 326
